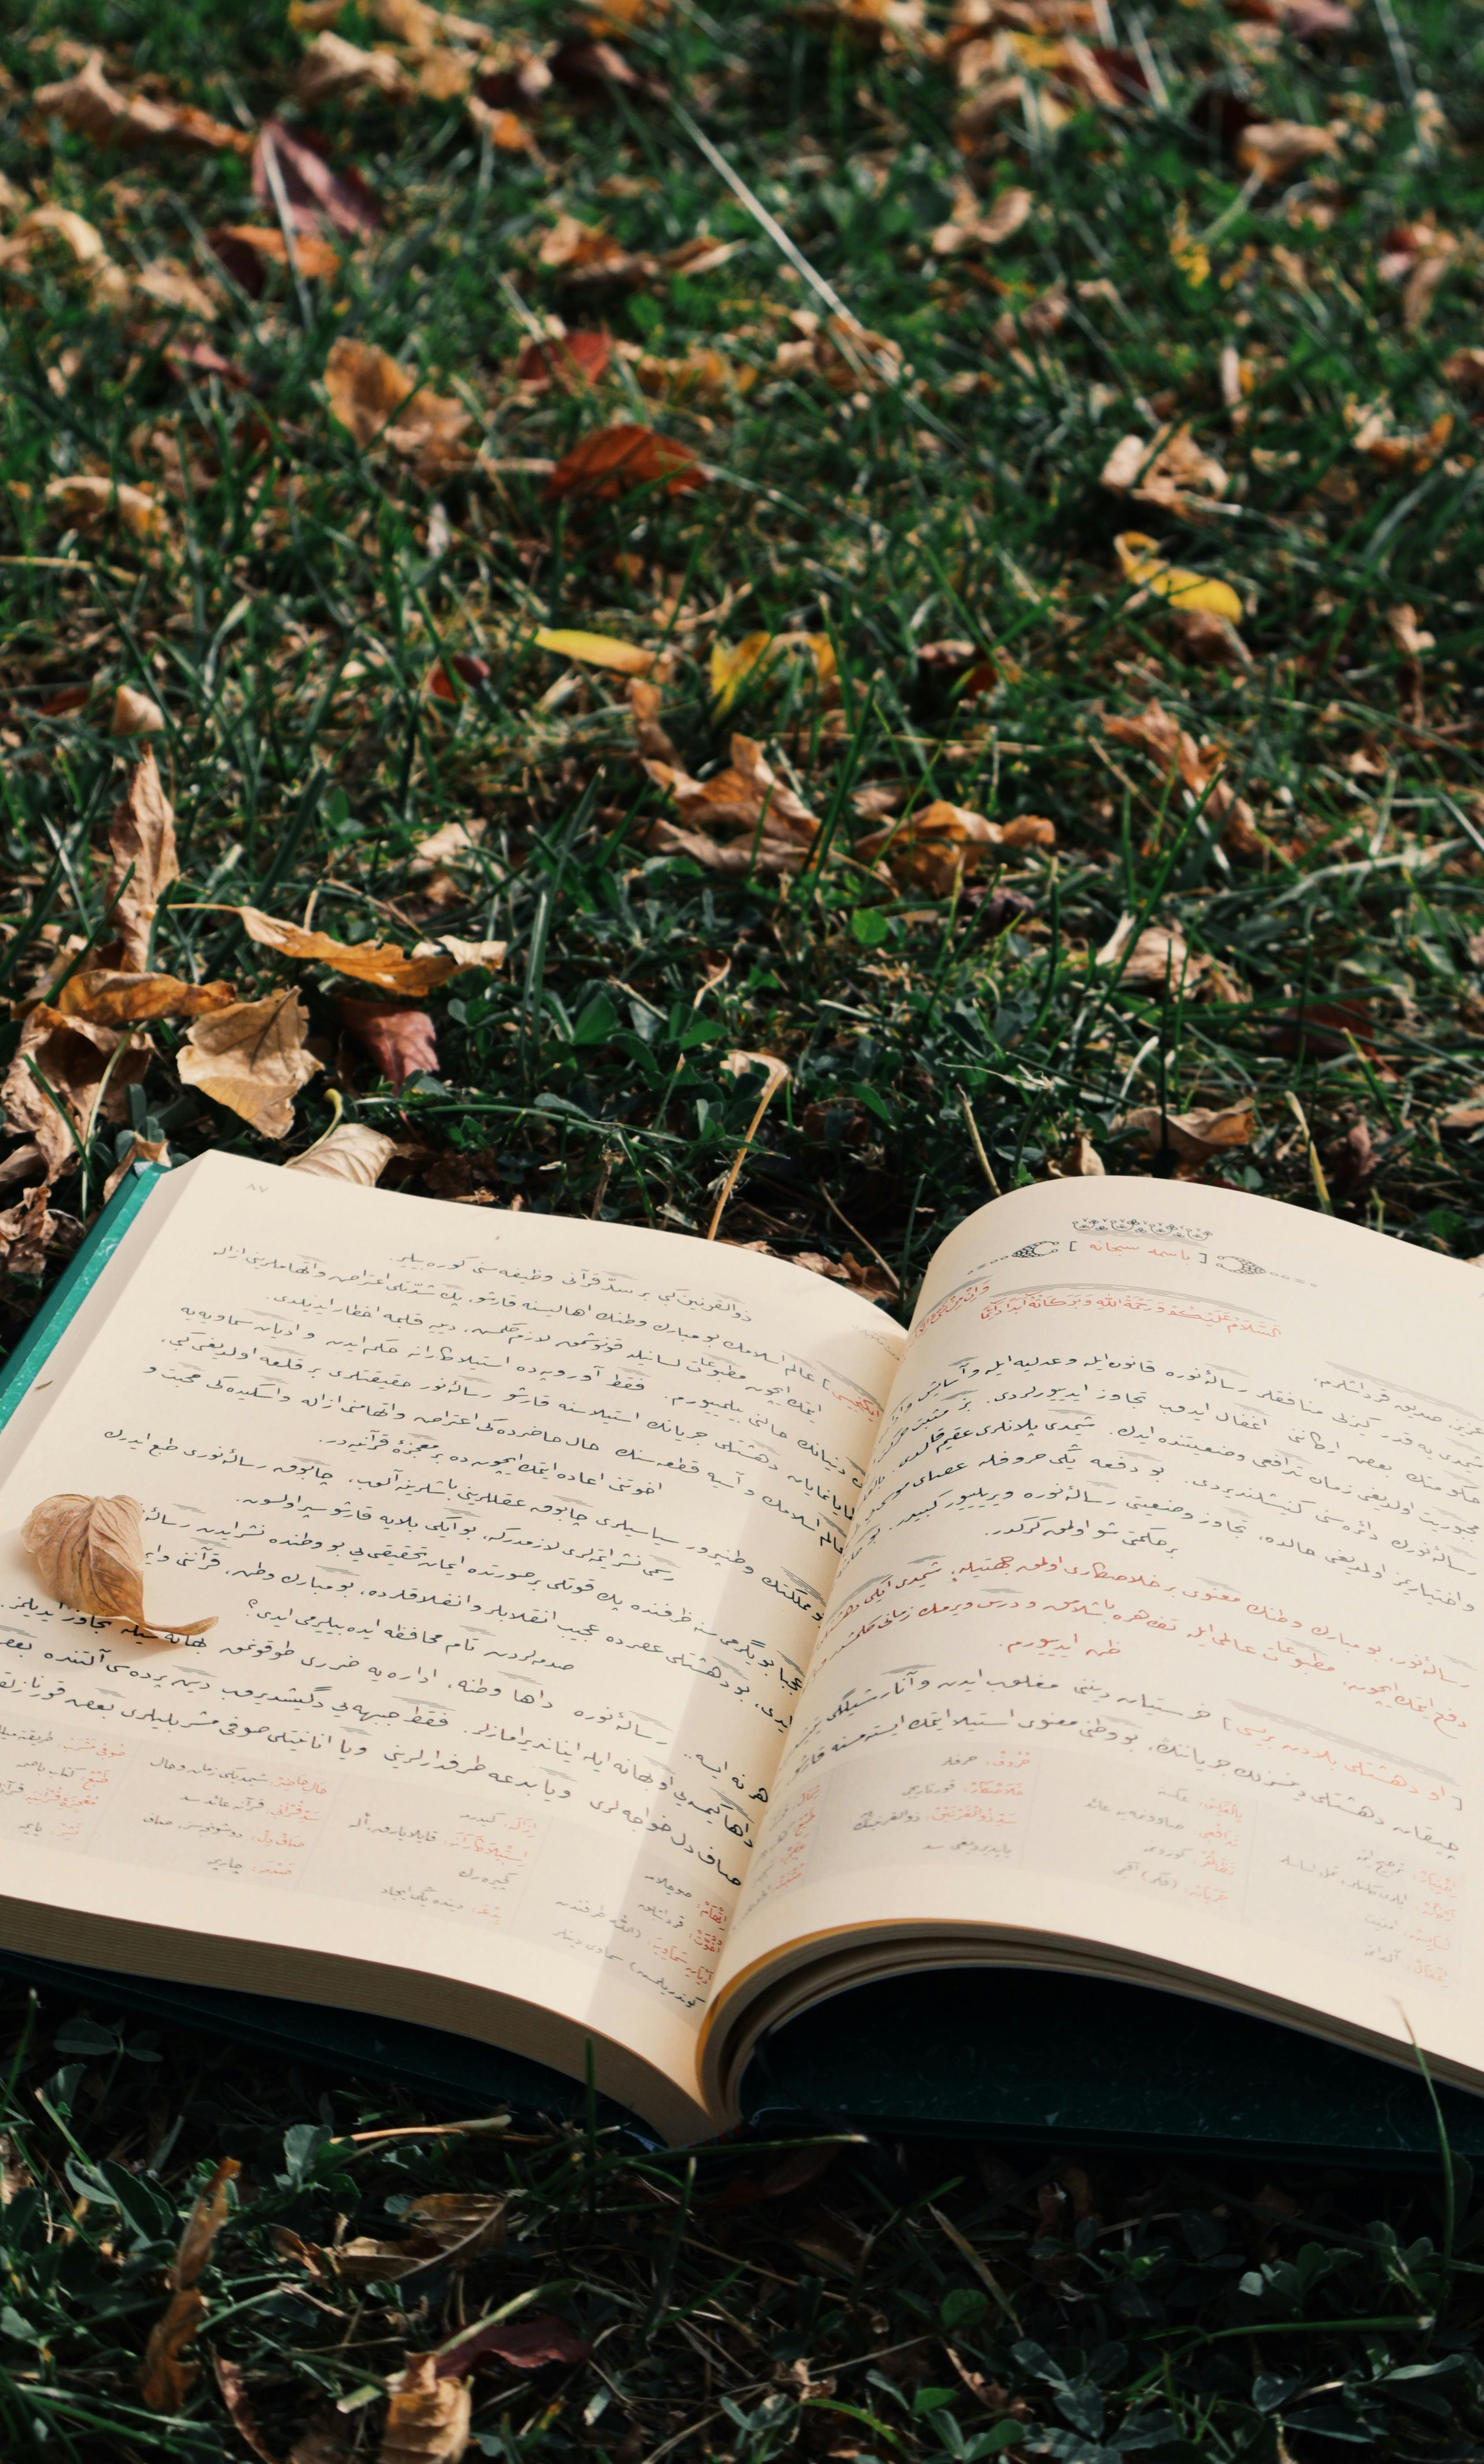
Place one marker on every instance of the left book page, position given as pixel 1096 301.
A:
pixel 518 1530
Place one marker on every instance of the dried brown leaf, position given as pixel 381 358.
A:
pixel 71 1054
pixel 373 962
pixel 1195 1136
pixel 427 2418
pixel 351 1153
pixel 400 1040
pixel 252 1058
pixel 333 66
pixel 233 2386
pixel 567 360
pixel 941 843
pixel 1159 956
pixel 524 2343
pixel 204 2222
pixel 1274 147
pixel 613 460
pixel 142 862
pixel 89 1553
pixel 90 105
pixel 113 997
pixel 165 2379
pixel 372 395
pixel 134 713
pixel 316 193
pixel 89 500
pixel 28 1232
pixel 747 800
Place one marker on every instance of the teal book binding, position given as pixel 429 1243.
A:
pixel 967 2054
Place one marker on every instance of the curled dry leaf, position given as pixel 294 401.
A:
pixel 773 828
pixel 524 2343
pixel 142 861
pixel 937 846
pixel 567 360
pixel 1143 564
pixel 350 1153
pixel 316 193
pixel 1408 634
pixel 400 1040
pixel 1160 955
pixel 113 997
pixel 373 962
pixel 134 713
pixel 204 2223
pixel 139 1151
pixel 170 285
pixel 244 248
pixel 427 2418
pixel 1154 731
pixel 613 460
pixel 1193 1138
pixel 645 702
pixel 596 651
pixel 372 395
pixel 1273 148
pixel 28 1230
pixel 164 2378
pixel 90 105
pixel 969 226
pixel 1465 369
pixel 89 500
pixel 233 2386
pixel 333 66
pixel 1393 448
pixel 1169 470
pixel 842 351
pixel 252 1058
pixel 52 1087
pixel 77 237
pixel 89 1553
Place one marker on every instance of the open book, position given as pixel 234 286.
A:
pixel 629 1641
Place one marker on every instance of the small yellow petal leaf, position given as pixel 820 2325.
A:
pixel 596 650
pixel 1136 554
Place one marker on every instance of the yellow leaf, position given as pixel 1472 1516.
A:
pixel 596 650
pixel 733 663
pixel 427 2418
pixel 89 1553
pixel 252 1058
pixel 1136 554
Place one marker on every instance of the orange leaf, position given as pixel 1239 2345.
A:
pixel 612 460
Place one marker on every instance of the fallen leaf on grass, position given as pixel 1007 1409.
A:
pixel 567 359
pixel 1466 1114
pixel 1160 955
pixel 1393 448
pixel 1408 634
pixel 936 847
pixel 134 713
pixel 1169 470
pixel 645 702
pixel 28 1233
pixel 596 651
pixel 352 1152
pixel 774 828
pixel 470 670
pixel 107 282
pixel 613 460
pixel 524 2343
pixel 228 2375
pixel 165 2379
pixel 400 1040
pixel 316 193
pixel 1271 149
pixel 167 283
pixel 71 1054
pixel 252 1058
pixel 198 358
pixel 427 2418
pixel 89 104
pixel 333 66
pixel 246 248
pixel 372 395
pixel 89 1553
pixel 89 501
pixel 969 226
pixel 1465 369
pixel 142 862
pixel 1143 563
pixel 1154 732
pixel 1193 1138
pixel 846 354
pixel 734 663
pixel 114 997
pixel 372 962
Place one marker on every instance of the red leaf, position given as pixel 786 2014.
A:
pixel 315 193
pixel 68 697
pixel 612 460
pixel 521 2343
pixel 576 359
pixel 468 669
pixel 397 1040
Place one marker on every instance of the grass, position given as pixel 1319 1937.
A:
pixel 287 621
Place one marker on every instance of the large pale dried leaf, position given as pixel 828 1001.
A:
pixel 142 862
pixel 350 1153
pixel 316 193
pixel 372 962
pixel 88 104
pixel 252 1058
pixel 72 1055
pixel 596 651
pixel 466 955
pixel 89 1553
pixel 1160 955
pixel 204 2223
pixel 427 2418
pixel 165 2379
pixel 941 843
pixel 134 713
pixel 333 66
pixel 113 997
pixel 400 1040
pixel 613 460
pixel 1142 563
pixel 1195 1136
pixel 748 800
pixel 170 285
pixel 89 501
pixel 372 395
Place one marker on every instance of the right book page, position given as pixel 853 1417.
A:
pixel 1154 1647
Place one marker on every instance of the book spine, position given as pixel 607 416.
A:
pixel 68 1294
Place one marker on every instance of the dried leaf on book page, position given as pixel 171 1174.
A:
pixel 89 1553
pixel 427 2418
pixel 142 862
pixel 352 1152
pixel 252 1058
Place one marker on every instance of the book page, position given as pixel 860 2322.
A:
pixel 1158 1625
pixel 518 1531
